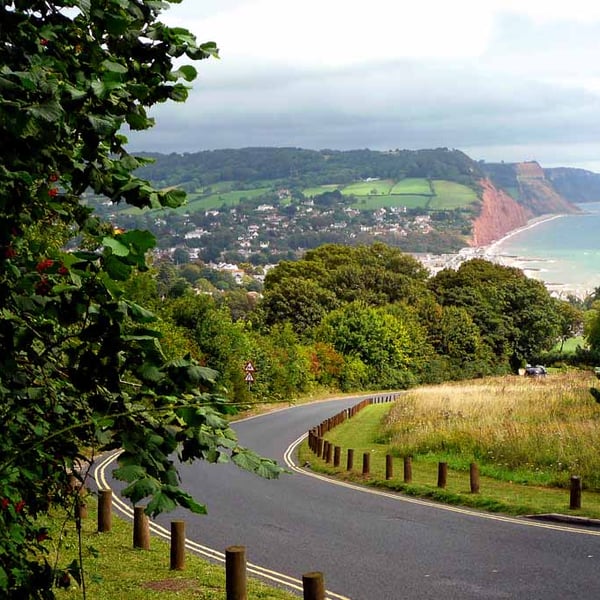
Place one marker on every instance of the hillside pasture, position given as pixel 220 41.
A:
pixel 450 195
pixel 369 188
pixel 390 201
pixel 412 185
pixel 311 192
pixel 196 202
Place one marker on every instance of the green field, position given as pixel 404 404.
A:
pixel 369 188
pixel 392 200
pixel 451 195
pixel 196 202
pixel 412 185
pixel 311 192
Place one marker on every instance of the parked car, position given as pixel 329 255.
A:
pixel 537 371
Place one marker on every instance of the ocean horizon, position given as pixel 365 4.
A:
pixel 563 252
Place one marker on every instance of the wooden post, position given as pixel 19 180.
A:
pixel 141 529
pixel 319 446
pixel 329 452
pixel 104 511
pixel 177 545
pixel 474 477
pixel 442 474
pixel 407 469
pixel 576 488
pixel 235 573
pixel 337 451
pixel 389 466
pixel 350 460
pixel 366 467
pixel 313 586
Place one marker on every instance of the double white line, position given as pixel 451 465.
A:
pixel 124 509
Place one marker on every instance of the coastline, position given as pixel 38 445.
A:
pixel 531 266
pixel 493 248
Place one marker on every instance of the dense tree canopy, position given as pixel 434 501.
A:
pixel 81 365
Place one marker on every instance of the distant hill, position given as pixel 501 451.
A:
pixel 577 185
pixel 305 168
pixel 529 185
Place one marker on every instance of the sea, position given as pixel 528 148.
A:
pixel 561 251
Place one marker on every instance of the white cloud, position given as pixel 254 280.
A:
pixel 486 76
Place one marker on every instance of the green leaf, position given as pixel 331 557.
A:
pixel 188 72
pixel 114 67
pixel 130 473
pixel 160 503
pixel 139 313
pixel 141 489
pixel 49 111
pixel 116 268
pixel 117 247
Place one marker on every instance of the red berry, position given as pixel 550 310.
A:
pixel 53 177
pixel 19 505
pixel 53 192
pixel 43 265
pixel 63 270
pixel 4 503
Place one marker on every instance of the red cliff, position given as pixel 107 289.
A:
pixel 500 213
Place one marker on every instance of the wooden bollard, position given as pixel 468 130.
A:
pixel 329 457
pixel 319 446
pixel 313 586
pixel 407 469
pixel 442 474
pixel 576 488
pixel 104 510
pixel 141 528
pixel 325 446
pixel 235 573
pixel 350 460
pixel 389 466
pixel 474 478
pixel 337 451
pixel 177 545
pixel 366 467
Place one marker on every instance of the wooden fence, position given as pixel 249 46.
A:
pixel 324 449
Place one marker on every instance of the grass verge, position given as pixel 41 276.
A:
pixel 498 492
pixel 117 571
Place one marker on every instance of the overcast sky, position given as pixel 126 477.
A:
pixel 505 80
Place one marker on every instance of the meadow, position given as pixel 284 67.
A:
pixel 528 430
pixel 528 436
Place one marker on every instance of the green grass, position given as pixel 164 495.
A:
pixel 499 491
pixel 132 574
pixel 450 195
pixel 311 192
pixel 195 202
pixel 412 185
pixel 571 345
pixel 369 188
pixel 392 200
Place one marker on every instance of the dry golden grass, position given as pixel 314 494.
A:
pixel 531 430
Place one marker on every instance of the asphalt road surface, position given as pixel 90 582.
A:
pixel 374 546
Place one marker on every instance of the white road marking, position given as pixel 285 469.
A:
pixel 124 509
pixel 289 461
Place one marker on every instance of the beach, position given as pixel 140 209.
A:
pixel 560 250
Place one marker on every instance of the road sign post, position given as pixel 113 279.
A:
pixel 249 370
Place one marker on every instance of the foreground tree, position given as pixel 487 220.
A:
pixel 82 366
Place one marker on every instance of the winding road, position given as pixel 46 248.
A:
pixel 372 545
